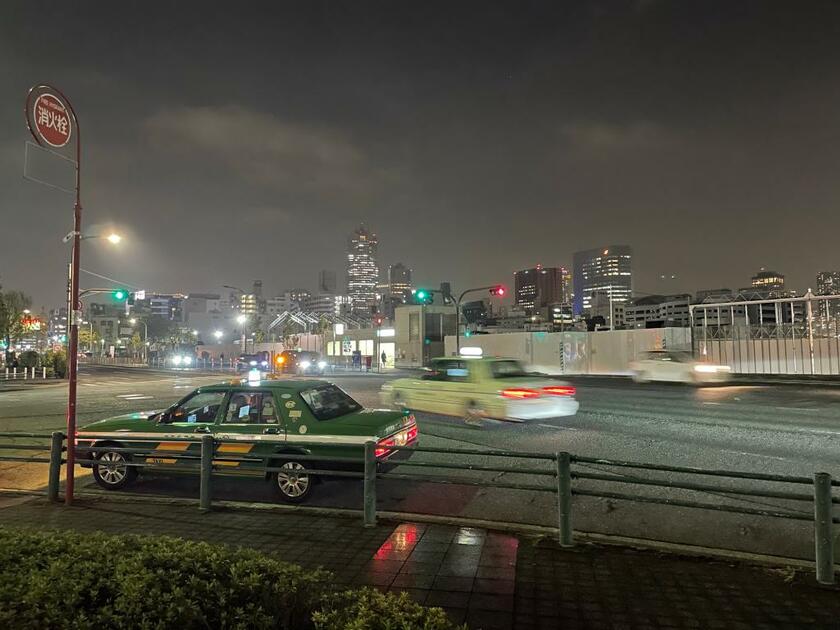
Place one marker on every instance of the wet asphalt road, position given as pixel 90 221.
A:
pixel 782 429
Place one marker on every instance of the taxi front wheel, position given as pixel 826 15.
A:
pixel 111 471
pixel 292 483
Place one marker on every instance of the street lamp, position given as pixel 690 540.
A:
pixel 112 238
pixel 218 335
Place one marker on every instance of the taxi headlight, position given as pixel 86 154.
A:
pixel 176 360
pixel 186 360
pixel 252 363
pixel 305 364
pixel 322 364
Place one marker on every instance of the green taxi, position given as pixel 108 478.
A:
pixel 258 421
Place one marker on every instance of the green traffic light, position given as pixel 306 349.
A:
pixel 119 294
pixel 421 294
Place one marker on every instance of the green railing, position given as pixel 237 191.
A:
pixel 554 473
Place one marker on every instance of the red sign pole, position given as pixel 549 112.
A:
pixel 48 122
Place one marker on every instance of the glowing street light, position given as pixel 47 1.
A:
pixel 241 319
pixel 218 334
pixel 114 238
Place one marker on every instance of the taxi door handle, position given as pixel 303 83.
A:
pixel 271 431
pixel 202 430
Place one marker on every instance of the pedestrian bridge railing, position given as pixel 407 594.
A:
pixel 801 498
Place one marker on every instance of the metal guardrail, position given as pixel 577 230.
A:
pixel 557 469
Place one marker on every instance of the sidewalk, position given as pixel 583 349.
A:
pixel 487 579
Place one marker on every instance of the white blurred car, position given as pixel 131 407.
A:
pixel 677 367
pixel 476 388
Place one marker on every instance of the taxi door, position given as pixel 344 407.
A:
pixel 446 389
pixel 251 424
pixel 192 417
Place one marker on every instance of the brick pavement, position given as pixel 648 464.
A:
pixel 487 579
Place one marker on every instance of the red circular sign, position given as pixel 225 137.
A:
pixel 52 120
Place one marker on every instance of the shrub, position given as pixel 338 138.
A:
pixel 369 609
pixel 56 360
pixel 28 359
pixel 85 581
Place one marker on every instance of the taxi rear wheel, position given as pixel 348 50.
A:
pixel 293 485
pixel 473 414
pixel 111 472
pixel 398 401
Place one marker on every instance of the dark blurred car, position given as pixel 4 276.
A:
pixel 258 361
pixel 300 362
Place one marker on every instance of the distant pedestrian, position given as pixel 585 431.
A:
pixel 383 358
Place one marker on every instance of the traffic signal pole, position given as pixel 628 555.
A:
pixel 493 287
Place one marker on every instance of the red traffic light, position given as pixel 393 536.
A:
pixel 498 291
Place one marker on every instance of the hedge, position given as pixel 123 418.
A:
pixel 86 581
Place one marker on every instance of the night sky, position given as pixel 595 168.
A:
pixel 246 141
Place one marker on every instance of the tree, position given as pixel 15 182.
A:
pixel 88 338
pixel 136 343
pixel 12 305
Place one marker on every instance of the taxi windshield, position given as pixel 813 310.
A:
pixel 328 401
pixel 507 369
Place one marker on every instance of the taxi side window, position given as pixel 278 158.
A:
pixel 457 371
pixel 437 371
pixel 200 407
pixel 251 408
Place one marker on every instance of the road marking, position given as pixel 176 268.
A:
pixel 134 396
pixel 730 450
pixel 711 403
pixel 797 408
pixel 551 426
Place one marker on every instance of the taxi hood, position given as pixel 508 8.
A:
pixel 124 421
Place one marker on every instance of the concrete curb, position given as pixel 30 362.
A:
pixel 525 530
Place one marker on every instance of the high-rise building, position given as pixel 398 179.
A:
pixel 362 270
pixel 536 288
pixel 300 297
pixel 828 283
pixel 327 282
pixel 767 281
pixel 57 325
pixel 399 281
pixel 606 270
pixel 249 304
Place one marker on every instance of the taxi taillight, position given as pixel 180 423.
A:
pixel 382 446
pixel 385 445
pixel 560 390
pixel 411 434
pixel 520 393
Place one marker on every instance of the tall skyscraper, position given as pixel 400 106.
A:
pixel 605 270
pixel 399 281
pixel 327 282
pixel 538 287
pixel 828 283
pixel 362 270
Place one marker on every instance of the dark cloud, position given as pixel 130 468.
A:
pixel 246 141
